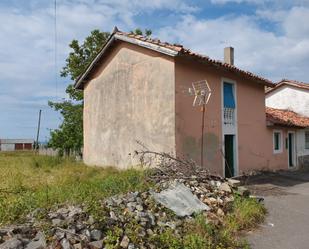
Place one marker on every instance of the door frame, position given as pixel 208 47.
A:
pixel 293 133
pixel 234 155
pixel 236 152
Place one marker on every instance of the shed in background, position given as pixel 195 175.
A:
pixel 16 144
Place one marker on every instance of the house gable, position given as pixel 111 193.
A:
pixel 289 97
pixel 129 98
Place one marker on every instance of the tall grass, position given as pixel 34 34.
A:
pixel 201 234
pixel 29 181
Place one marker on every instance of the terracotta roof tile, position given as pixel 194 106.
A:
pixel 181 51
pixel 187 52
pixel 294 83
pixel 286 118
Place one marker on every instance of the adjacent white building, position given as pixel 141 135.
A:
pixel 294 96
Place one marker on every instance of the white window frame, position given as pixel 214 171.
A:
pixel 280 142
pixel 235 129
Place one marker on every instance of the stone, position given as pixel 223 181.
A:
pixel 77 246
pixel 86 232
pixel 225 187
pixel 131 206
pixel 131 246
pixel 12 243
pixel 233 182
pixel 56 222
pixel 139 208
pixel 91 220
pixel 113 215
pixel 59 234
pixel 180 199
pixel 220 212
pixel 74 211
pixel 38 242
pixel 95 234
pixel 172 225
pixel 124 242
pixel 65 244
pixel 96 244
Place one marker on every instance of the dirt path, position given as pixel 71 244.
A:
pixel 287 201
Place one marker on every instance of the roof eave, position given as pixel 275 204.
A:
pixel 232 69
pixel 79 84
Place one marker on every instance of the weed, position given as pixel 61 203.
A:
pixel 30 181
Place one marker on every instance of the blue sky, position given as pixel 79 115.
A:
pixel 271 38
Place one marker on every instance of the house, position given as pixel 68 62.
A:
pixel 291 99
pixel 136 89
pixel 16 144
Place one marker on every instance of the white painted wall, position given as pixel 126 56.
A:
pixel 7 147
pixel 289 97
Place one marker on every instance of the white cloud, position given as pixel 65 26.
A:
pixel 273 55
pixel 236 1
pixel 27 68
pixel 273 3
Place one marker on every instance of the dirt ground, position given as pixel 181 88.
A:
pixel 286 197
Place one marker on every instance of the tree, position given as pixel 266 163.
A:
pixel 138 31
pixel 69 135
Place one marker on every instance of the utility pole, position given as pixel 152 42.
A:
pixel 38 132
pixel 203 109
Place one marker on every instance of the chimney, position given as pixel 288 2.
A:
pixel 229 55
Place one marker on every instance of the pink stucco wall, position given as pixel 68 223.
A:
pixel 188 118
pixel 255 143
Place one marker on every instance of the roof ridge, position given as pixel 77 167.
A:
pixel 186 51
pixel 292 81
pixel 176 50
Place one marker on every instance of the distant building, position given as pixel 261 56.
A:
pixel 16 144
pixel 290 99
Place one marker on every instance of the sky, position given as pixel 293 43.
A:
pixel 271 39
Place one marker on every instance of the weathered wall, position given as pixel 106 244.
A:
pixel 188 118
pixel 255 142
pixel 281 99
pixel 255 139
pixel 131 97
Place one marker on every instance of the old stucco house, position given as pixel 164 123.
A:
pixel 137 89
pixel 288 101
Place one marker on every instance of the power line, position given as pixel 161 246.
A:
pixel 56 39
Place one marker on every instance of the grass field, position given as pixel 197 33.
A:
pixel 29 181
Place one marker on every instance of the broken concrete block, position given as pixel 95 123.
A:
pixel 12 244
pixel 38 242
pixel 233 182
pixel 225 187
pixel 180 199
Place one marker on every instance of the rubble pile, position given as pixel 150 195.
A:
pixel 131 220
